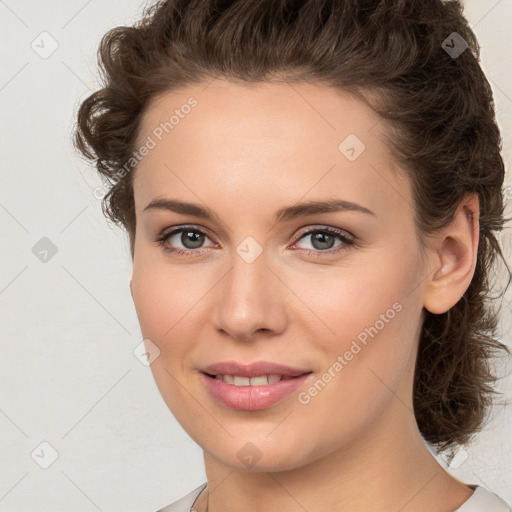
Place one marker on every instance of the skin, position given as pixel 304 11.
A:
pixel 245 152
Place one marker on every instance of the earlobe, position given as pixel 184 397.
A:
pixel 453 256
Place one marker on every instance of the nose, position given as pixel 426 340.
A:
pixel 251 300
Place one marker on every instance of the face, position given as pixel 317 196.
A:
pixel 325 301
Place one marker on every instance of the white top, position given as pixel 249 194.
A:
pixel 481 501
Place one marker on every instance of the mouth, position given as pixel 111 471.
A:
pixel 272 372
pixel 260 380
pixel 253 386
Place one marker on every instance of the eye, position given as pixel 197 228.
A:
pixel 190 237
pixel 323 239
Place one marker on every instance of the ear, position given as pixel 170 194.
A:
pixel 452 258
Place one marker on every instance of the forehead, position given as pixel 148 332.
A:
pixel 262 110
pixel 259 137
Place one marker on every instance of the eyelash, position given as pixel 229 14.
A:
pixel 348 240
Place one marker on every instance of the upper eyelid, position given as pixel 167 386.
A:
pixel 319 227
pixel 177 229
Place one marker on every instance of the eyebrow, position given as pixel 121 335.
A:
pixel 283 214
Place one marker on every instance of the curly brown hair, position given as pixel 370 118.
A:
pixel 394 55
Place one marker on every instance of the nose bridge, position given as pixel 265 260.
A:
pixel 249 296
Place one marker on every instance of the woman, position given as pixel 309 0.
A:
pixel 312 191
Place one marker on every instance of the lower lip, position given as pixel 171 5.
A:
pixel 252 398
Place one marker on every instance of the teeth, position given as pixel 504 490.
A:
pixel 261 380
pixel 242 381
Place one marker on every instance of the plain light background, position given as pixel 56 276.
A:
pixel 68 374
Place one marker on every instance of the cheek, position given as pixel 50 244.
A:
pixel 162 305
pixel 344 303
pixel 369 328
pixel 165 300
pixel 150 299
pixel 361 379
pixel 168 303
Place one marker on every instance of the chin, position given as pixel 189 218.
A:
pixel 255 454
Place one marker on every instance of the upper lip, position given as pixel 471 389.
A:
pixel 252 369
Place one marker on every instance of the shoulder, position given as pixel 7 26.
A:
pixel 484 501
pixel 184 504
